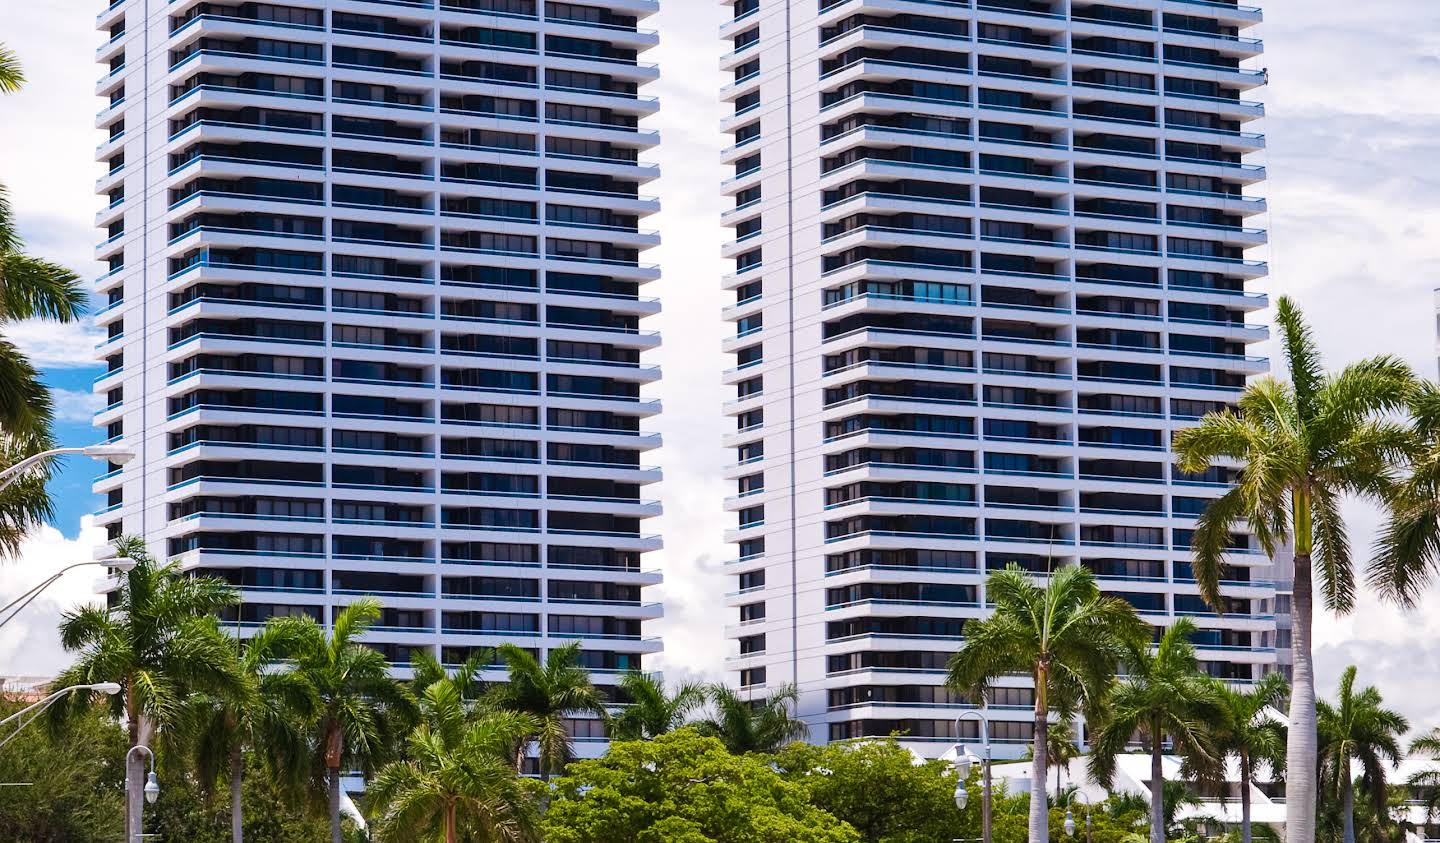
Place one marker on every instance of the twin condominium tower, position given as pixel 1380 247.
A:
pixel 374 321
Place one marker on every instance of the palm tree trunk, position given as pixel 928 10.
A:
pixel 1039 810
pixel 1349 800
pixel 1301 748
pixel 237 813
pixel 450 835
pixel 140 730
pixel 1244 800
pixel 334 773
pixel 1157 789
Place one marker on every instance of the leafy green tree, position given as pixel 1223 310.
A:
pixel 1164 696
pixel 1306 445
pixel 30 288
pixel 749 725
pixel 1426 782
pixel 271 814
pixel 1357 728
pixel 458 780
pixel 75 779
pixel 1389 824
pixel 161 641
pixel 267 716
pixel 1067 636
pixel 1407 553
pixel 358 709
pixel 550 693
pixel 652 711
pixel 878 789
pixel 1247 735
pixel 684 787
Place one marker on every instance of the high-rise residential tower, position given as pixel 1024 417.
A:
pixel 989 255
pixel 373 312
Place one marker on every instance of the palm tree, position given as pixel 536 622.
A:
pixel 267 715
pixel 30 288
pixel 551 693
pixel 1407 553
pixel 651 711
pixel 1070 639
pixel 1060 750
pixel 1427 781
pixel 358 707
pixel 1357 728
pixel 160 640
pixel 426 670
pixel 458 778
pixel 1305 445
pixel 747 725
pixel 1164 696
pixel 1249 735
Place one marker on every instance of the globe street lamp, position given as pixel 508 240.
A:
pixel 111 688
pixel 13 608
pixel 151 792
pixel 118 454
pixel 1070 818
pixel 962 770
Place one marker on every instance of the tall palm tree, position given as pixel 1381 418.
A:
pixel 358 707
pixel 160 640
pixel 1305 445
pixel 458 778
pixel 1357 728
pixel 30 288
pixel 651 711
pixel 1407 553
pixel 1163 696
pixel 1427 781
pixel 1067 636
pixel 551 693
pixel 1251 736
pixel 266 717
pixel 746 725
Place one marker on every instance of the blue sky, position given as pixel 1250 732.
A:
pixel 70 485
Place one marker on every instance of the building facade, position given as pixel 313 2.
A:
pixel 989 256
pixel 373 312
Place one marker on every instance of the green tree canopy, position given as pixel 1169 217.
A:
pixel 684 787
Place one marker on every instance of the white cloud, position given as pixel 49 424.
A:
pixel 30 644
pixel 75 406
pixel 55 346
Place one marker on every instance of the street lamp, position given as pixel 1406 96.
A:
pixel 1070 818
pixel 13 608
pixel 962 770
pixel 118 454
pixel 151 790
pixel 111 688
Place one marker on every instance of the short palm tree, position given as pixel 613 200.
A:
pixel 160 639
pixel 1427 782
pixel 1252 737
pixel 1305 445
pixel 1163 697
pixel 651 711
pixel 267 717
pixel 1060 750
pixel 426 670
pixel 1067 636
pixel 30 288
pixel 358 707
pixel 746 725
pixel 458 780
pixel 1357 728
pixel 551 693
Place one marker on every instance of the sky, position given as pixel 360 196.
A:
pixel 1354 192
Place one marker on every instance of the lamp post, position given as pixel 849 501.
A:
pixel 962 769
pixel 111 688
pixel 117 454
pixel 13 608
pixel 1070 818
pixel 136 822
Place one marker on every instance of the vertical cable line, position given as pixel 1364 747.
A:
pixel 790 339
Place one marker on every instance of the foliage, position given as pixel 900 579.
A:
pixel 1357 728
pixel 458 777
pixel 1427 780
pixel 1067 635
pixel 750 725
pixel 876 787
pixel 183 812
pixel 684 787
pixel 75 779
pixel 1391 824
pixel 550 693
pixel 651 710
